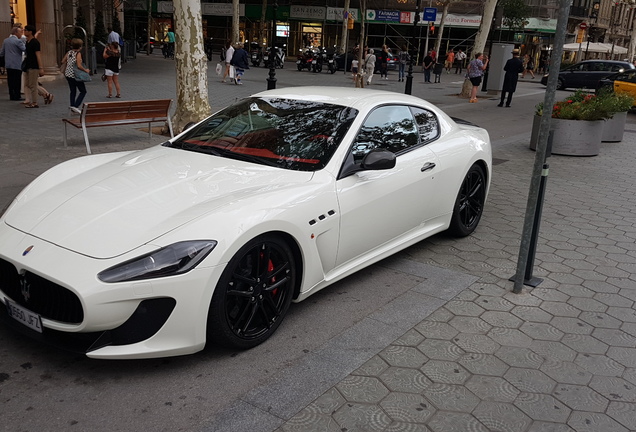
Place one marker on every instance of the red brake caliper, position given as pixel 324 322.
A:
pixel 270 267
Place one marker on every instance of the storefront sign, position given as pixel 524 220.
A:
pixel 384 16
pixel 542 25
pixel 218 9
pixel 308 12
pixel 337 14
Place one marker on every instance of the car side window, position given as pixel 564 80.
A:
pixel 389 127
pixel 616 68
pixel 427 124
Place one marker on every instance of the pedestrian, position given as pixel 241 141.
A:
pixel 240 61
pixel 12 49
pixel 459 61
pixel 438 68
pixel 427 66
pixel 404 59
pixel 354 68
pixel 450 59
pixel 476 70
pixel 171 38
pixel 33 66
pixel 434 55
pixel 513 68
pixel 72 58
pixel 113 36
pixel 528 66
pixel 383 59
pixel 369 65
pixel 112 55
pixel 229 53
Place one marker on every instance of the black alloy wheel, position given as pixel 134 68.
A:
pixel 253 294
pixel 561 84
pixel 469 204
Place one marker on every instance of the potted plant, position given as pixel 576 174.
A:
pixel 617 104
pixel 577 122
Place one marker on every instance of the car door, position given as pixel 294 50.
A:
pixel 626 83
pixel 377 207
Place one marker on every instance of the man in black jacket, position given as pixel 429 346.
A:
pixel 513 68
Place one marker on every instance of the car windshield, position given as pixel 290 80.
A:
pixel 286 133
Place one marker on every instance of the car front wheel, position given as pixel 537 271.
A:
pixel 469 204
pixel 253 294
pixel 561 84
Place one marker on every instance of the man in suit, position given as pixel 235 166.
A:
pixel 513 68
pixel 12 49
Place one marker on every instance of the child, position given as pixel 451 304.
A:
pixel 354 68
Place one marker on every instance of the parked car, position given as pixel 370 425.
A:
pixel 588 73
pixel 210 236
pixel 622 82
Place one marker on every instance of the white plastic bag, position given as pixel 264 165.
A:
pixel 232 72
pixel 219 69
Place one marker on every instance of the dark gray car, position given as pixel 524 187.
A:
pixel 588 73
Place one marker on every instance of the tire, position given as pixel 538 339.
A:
pixel 300 68
pixel 561 84
pixel 253 294
pixel 469 204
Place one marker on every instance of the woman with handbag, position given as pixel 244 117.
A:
pixel 73 73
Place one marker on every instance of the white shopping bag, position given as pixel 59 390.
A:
pixel 232 72
pixel 219 69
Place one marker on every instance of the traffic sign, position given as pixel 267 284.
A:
pixel 430 14
pixel 583 26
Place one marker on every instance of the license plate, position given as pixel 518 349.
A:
pixel 23 315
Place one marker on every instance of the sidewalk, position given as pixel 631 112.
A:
pixel 454 350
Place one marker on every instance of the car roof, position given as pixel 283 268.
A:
pixel 618 62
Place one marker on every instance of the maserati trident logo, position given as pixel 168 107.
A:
pixel 25 289
pixel 27 250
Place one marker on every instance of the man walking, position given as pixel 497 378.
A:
pixel 113 36
pixel 12 49
pixel 513 68
pixel 459 61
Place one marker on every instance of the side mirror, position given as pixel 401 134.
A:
pixel 378 159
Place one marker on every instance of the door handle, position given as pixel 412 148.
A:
pixel 427 166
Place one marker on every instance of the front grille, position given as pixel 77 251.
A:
pixel 39 295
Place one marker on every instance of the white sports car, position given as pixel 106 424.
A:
pixel 211 235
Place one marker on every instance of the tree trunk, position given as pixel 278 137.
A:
pixel 191 65
pixel 480 39
pixel 343 39
pixel 235 21
pixel 361 53
pixel 440 31
pixel 262 36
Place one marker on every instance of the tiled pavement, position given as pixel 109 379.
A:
pixel 559 357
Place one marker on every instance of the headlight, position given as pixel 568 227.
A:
pixel 171 260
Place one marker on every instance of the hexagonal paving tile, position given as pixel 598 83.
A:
pixel 555 350
pixel 494 303
pixel 613 300
pixel 600 320
pixel 520 357
pixel 625 356
pixel 538 426
pixel 465 324
pixel 406 427
pixel 405 380
pixel 407 407
pixel 531 314
pixel 560 309
pixel 583 421
pixel 541 331
pixel 614 388
pixel 464 308
pixel 410 338
pixel 530 380
pixel 483 364
pixel 492 388
pixel 565 372
pixel 503 417
pixel 599 365
pixel 448 372
pixel 451 397
pixel 446 421
pixel 404 356
pixel 361 417
pixel 362 389
pixel 440 349
pixel 436 330
pixel 501 319
pixel 542 407
pixel 509 337
pixel 584 344
pixel 614 337
pixel 580 398
pixel 622 313
pixel 372 367
pixel 571 325
pixel 624 413
pixel 476 343
pixel 587 304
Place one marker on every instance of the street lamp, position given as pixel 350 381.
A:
pixel 594 15
pixel 271 81
pixel 408 88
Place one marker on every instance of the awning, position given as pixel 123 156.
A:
pixel 596 47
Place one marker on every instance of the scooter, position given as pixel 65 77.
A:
pixel 256 54
pixel 331 61
pixel 305 59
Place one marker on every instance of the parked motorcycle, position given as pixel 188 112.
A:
pixel 305 59
pixel 142 44
pixel 256 54
pixel 331 61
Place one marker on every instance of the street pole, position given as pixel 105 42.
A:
pixel 408 87
pixel 271 81
pixel 539 170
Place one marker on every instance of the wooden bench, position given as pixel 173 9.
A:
pixel 98 114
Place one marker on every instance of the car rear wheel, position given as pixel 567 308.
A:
pixel 253 294
pixel 469 204
pixel 561 84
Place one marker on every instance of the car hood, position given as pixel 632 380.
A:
pixel 130 201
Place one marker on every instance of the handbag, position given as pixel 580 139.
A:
pixel 219 69
pixel 80 75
